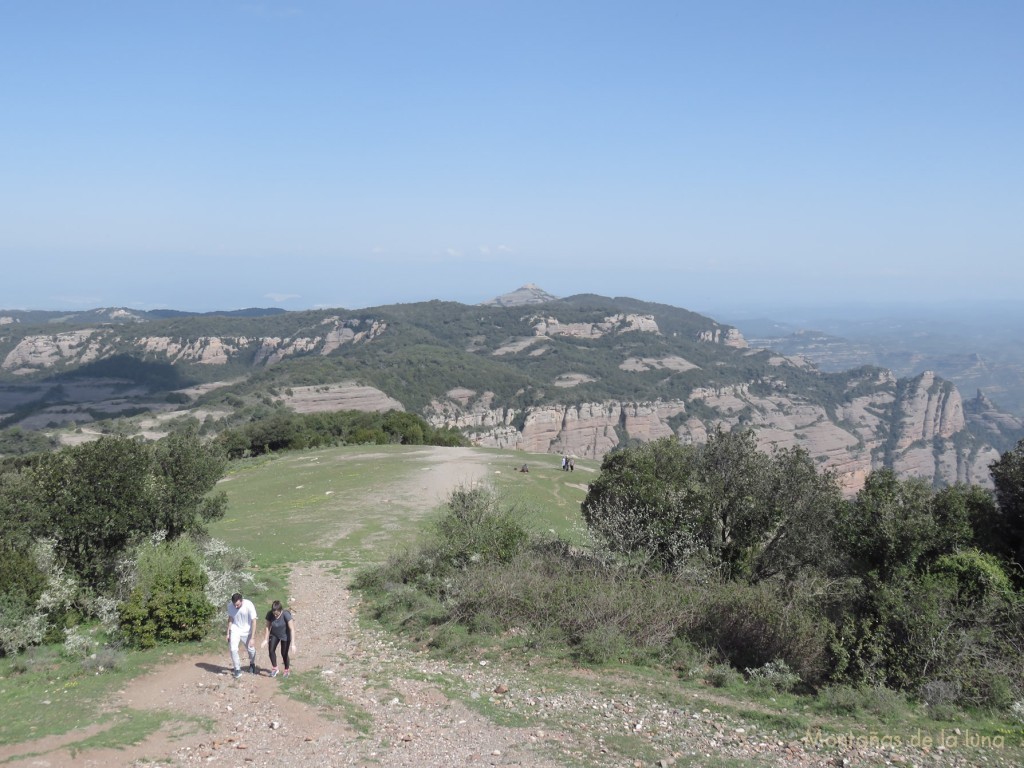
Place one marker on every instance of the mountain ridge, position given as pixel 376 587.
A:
pixel 582 374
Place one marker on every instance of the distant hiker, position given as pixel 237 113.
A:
pixel 242 618
pixel 565 463
pixel 572 465
pixel 280 631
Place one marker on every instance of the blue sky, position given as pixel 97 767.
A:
pixel 221 154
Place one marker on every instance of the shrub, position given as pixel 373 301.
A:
pixel 884 703
pixel 775 675
pixel 936 693
pixel 601 613
pixel 21 572
pixel 478 528
pixel 408 608
pixel 20 625
pixel 39 602
pixel 954 625
pixel 450 640
pixel 753 625
pixel 228 570
pixel 104 660
pixel 839 700
pixel 685 657
pixel 167 603
pixel 723 676
pixel 601 645
pixel 76 644
pixel 1017 711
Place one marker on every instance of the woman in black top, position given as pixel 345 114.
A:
pixel 280 631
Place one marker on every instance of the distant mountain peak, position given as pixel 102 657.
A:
pixel 527 294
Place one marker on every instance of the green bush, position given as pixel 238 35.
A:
pixel 478 528
pixel 723 676
pixel 839 700
pixel 602 645
pixel 168 602
pixel 775 676
pixel 884 703
pixel 754 625
pixel 685 657
pixel 451 640
pixel 599 612
pixel 405 607
pixel 21 575
pixel 978 575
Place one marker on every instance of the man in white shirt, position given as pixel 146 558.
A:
pixel 241 626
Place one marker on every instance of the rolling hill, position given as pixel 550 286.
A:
pixel 578 375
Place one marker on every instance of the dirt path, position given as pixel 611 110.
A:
pixel 358 698
pixel 369 702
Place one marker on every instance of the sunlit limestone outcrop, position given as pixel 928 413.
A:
pixel 852 442
pixel 35 352
pixel 623 323
pixel 39 352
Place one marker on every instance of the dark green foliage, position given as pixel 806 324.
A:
pixel 931 628
pixel 1008 525
pixel 478 528
pixel 910 590
pixel 752 514
pixel 930 606
pixel 752 625
pixel 20 573
pixel 167 603
pixel 281 430
pixel 18 442
pixel 22 517
pixel 186 471
pixel 642 502
pixel 97 498
pixel 21 585
pixel 889 526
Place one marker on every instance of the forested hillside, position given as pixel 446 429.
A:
pixel 580 375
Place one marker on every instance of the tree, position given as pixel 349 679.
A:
pixel 733 493
pixel 1008 476
pixel 187 470
pixel 754 515
pixel 98 497
pixel 639 503
pixel 806 504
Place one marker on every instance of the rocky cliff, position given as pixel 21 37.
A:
pixel 927 416
pixel 580 375
pixel 38 352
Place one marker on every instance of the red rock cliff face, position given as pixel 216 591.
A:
pixel 925 415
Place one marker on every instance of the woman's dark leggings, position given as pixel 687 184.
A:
pixel 274 641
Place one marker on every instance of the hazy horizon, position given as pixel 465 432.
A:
pixel 216 155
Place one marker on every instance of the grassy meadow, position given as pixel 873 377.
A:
pixel 357 505
pixel 354 504
pixel 350 505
